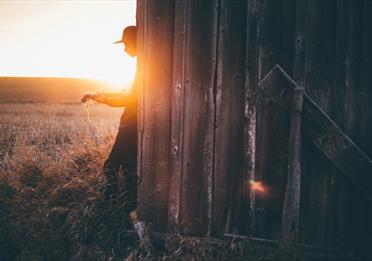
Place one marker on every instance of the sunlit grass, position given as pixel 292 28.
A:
pixel 55 128
pixel 50 181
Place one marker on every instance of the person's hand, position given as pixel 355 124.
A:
pixel 99 97
pixel 86 97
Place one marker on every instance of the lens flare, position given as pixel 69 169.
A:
pixel 257 186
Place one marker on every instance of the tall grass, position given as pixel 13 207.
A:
pixel 50 183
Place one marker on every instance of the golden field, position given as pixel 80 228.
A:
pixel 51 155
pixel 46 90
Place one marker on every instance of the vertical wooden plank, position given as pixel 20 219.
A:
pixel 340 82
pixel 250 113
pixel 352 205
pixel 365 89
pixel 155 66
pixel 290 229
pixel 299 74
pixel 139 81
pixel 365 109
pixel 354 210
pixel 276 30
pixel 141 68
pixel 319 183
pixel 178 86
pixel 291 207
pixel 228 178
pixel 291 204
pixel 198 117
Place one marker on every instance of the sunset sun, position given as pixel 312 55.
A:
pixel 67 39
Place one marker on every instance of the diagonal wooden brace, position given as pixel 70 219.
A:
pixel 323 132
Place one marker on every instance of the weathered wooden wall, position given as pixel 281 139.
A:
pixel 205 131
pixel 203 91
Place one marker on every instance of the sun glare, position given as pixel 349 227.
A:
pixel 67 39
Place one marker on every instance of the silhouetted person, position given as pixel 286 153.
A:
pixel 124 151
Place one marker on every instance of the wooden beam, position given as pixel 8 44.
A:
pixel 323 132
pixel 291 205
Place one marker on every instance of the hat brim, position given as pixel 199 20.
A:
pixel 120 41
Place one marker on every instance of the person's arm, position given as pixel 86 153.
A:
pixel 119 100
pixel 111 99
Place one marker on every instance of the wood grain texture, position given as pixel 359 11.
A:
pixel 204 131
pixel 354 211
pixel 275 46
pixel 250 113
pixel 198 117
pixel 155 68
pixel 291 204
pixel 177 128
pixel 228 177
pixel 319 177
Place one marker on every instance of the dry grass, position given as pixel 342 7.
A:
pixel 50 183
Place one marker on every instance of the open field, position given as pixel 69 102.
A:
pixel 45 127
pixel 51 204
pixel 51 155
pixel 50 90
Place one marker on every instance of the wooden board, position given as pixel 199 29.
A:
pixel 229 178
pixel 197 117
pixel 155 60
pixel 250 114
pixel 178 89
pixel 275 46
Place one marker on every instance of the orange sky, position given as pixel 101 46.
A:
pixel 66 39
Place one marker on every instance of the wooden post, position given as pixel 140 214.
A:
pixel 291 205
